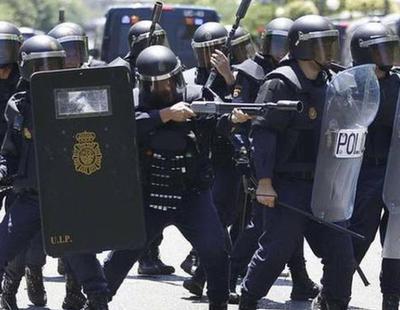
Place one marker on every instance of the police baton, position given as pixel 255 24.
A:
pixel 330 225
pixel 240 14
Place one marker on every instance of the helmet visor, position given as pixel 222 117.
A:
pixel 76 53
pixel 159 94
pixel 31 66
pixel 139 43
pixel 204 50
pixel 386 54
pixel 326 50
pixel 275 44
pixel 242 49
pixel 9 48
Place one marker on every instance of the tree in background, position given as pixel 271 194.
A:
pixel 43 14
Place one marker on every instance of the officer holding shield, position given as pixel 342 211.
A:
pixel 374 43
pixel 285 151
pixel 274 47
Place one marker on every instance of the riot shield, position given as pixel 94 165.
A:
pixel 391 189
pixel 391 246
pixel 87 162
pixel 352 101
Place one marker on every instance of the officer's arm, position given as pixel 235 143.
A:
pixel 147 121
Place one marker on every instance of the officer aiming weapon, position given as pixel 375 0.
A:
pixel 240 14
pixel 155 19
pixel 212 107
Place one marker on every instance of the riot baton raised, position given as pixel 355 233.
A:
pixel 240 14
pixel 61 15
pixel 155 19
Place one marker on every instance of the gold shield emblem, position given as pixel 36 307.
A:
pixel 312 113
pixel 87 154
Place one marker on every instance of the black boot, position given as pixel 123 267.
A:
pixel 8 300
pixel 303 287
pixel 34 284
pixel 195 284
pixel 97 302
pixel 151 264
pixel 390 302
pixel 247 302
pixel 321 303
pixel 191 262
pixel 218 306
pixel 74 299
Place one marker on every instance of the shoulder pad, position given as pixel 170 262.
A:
pixel 193 92
pixel 119 62
pixel 190 76
pixel 250 68
pixel 286 74
pixel 12 110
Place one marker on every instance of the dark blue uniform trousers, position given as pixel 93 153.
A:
pixel 198 221
pixel 21 224
pixel 284 231
pixel 366 220
pixel 247 244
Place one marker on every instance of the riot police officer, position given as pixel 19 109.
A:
pixel 208 42
pixel 274 47
pixel 138 40
pixel 176 172
pixel 36 54
pixel 22 221
pixel 242 46
pixel 74 41
pixel 10 42
pixel 284 158
pixel 374 43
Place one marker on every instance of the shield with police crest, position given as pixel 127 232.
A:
pixel 352 101
pixel 87 162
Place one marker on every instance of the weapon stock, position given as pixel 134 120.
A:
pixel 240 14
pixel 155 19
pixel 212 107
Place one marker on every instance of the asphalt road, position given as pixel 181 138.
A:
pixel 166 293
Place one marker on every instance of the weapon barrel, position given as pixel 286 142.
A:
pixel 212 107
pixel 286 105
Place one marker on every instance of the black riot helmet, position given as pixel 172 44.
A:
pixel 161 82
pixel 313 37
pixel 274 40
pixel 74 41
pixel 40 53
pixel 139 37
pixel 242 46
pixel 10 42
pixel 393 22
pixel 374 43
pixel 206 39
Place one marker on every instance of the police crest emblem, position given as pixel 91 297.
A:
pixel 312 113
pixel 87 155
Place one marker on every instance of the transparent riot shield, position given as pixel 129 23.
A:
pixel 352 101
pixel 391 187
